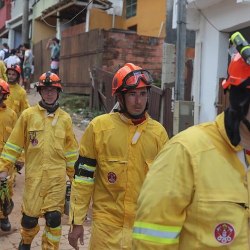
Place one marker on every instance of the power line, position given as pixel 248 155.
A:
pixel 205 16
pixel 54 26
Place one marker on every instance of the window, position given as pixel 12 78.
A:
pixel 130 8
pixel 1 4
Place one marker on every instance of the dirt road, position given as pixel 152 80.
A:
pixel 10 241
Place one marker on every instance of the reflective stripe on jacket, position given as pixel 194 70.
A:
pixel 196 195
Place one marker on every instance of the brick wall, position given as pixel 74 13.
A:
pixel 121 47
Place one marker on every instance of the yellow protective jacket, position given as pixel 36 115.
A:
pixel 8 119
pixel 196 195
pixel 3 71
pixel 50 151
pixel 17 100
pixel 115 156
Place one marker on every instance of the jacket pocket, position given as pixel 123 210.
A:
pixel 59 139
pixel 35 138
pixel 221 221
pixel 113 174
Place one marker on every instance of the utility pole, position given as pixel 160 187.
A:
pixel 25 22
pixel 170 31
pixel 180 50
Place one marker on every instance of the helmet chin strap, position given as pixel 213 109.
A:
pixel 51 108
pixel 136 117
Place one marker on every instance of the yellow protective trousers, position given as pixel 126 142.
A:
pixel 51 238
pixel 29 234
pixel 8 119
pixel 10 184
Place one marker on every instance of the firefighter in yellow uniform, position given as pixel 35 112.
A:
pixel 45 133
pixel 8 119
pixel 116 151
pixel 196 195
pixel 17 99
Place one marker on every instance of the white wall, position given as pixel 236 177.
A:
pixel 211 59
pixel 209 39
pixel 229 15
pixel 41 6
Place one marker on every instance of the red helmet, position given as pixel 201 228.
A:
pixel 130 76
pixel 4 87
pixel 238 72
pixel 49 79
pixel 14 67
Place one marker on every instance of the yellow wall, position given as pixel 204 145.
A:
pixel 150 15
pixel 150 19
pixel 101 20
pixel 41 31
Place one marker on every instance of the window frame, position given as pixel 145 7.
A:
pixel 131 8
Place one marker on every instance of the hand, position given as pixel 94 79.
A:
pixel 75 233
pixel 3 175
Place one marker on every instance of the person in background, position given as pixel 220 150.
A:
pixel 54 46
pixel 27 66
pixel 45 132
pixel 18 102
pixel 196 194
pixel 116 151
pixel 20 54
pixel 5 51
pixel 13 59
pixel 8 119
pixel 17 99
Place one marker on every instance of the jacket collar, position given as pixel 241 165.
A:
pixel 220 119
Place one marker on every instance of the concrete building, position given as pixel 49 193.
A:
pixel 51 17
pixel 214 21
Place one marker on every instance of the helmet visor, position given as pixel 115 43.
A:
pixel 132 79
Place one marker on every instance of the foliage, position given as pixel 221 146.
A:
pixel 157 83
pixel 73 103
pixel 78 107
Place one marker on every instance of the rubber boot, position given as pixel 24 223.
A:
pixel 23 246
pixel 5 224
